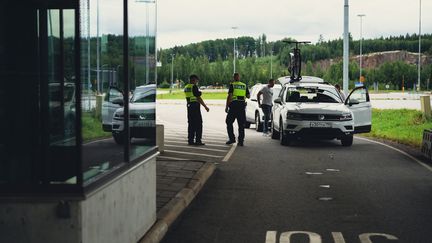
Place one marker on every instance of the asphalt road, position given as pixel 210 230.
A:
pixel 268 193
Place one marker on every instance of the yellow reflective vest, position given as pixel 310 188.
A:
pixel 239 90
pixel 190 97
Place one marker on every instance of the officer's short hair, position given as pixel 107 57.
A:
pixel 235 74
pixel 271 80
pixel 193 77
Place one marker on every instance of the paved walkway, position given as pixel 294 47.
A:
pixel 182 170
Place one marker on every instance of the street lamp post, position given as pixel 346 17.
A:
pixel 234 51
pixel 346 48
pixel 361 44
pixel 172 71
pixel 419 58
pixel 271 63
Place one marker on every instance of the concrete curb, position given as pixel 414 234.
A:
pixel 170 212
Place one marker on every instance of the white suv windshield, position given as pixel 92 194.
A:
pixel 312 95
pixel 141 96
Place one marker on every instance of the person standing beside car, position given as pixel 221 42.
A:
pixel 266 103
pixel 236 109
pixel 341 93
pixel 194 100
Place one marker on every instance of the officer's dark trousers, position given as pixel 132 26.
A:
pixel 194 122
pixel 236 111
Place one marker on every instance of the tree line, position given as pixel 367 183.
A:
pixel 213 60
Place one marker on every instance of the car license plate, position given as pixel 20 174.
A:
pixel 320 124
pixel 143 124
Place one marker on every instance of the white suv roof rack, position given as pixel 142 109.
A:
pixel 305 79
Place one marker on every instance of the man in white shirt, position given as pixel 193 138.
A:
pixel 266 103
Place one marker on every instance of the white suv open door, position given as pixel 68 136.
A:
pixel 359 103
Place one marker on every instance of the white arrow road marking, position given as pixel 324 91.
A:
pixel 365 238
pixel 313 237
pixel 338 237
pixel 271 237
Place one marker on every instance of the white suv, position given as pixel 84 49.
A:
pixel 314 109
pixel 142 113
pixel 254 114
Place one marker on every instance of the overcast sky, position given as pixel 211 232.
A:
pixel 189 21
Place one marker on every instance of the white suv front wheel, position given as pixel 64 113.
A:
pixel 275 134
pixel 347 140
pixel 283 138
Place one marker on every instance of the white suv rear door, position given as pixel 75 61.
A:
pixel 359 103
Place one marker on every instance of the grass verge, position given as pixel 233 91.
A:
pixel 402 126
pixel 92 128
pixel 205 96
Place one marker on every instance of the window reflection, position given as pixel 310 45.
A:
pixel 61 96
pixel 142 74
pixel 103 93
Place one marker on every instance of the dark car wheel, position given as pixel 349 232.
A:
pixel 347 140
pixel 119 138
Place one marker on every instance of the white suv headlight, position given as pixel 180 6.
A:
pixel 118 116
pixel 293 116
pixel 346 117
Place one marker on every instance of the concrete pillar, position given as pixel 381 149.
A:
pixel 160 137
pixel 425 105
pixel 98 112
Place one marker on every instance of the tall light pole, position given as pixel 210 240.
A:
pixel 98 67
pixel 172 71
pixel 361 44
pixel 234 51
pixel 419 58
pixel 346 48
pixel 271 63
pixel 148 35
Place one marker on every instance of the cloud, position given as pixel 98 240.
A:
pixel 186 21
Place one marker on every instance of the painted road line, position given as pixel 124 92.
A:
pixel 196 147
pixel 182 152
pixel 171 158
pixel 400 151
pixel 186 132
pixel 230 153
pixel 222 138
pixel 206 144
pixel 172 139
pixel 97 141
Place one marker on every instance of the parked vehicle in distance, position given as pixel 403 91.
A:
pixel 142 113
pixel 62 111
pixel 312 108
pixel 254 114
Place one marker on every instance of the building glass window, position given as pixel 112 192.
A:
pixel 142 67
pixel 103 82
pixel 63 89
pixel 61 105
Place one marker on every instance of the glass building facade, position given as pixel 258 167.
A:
pixel 77 93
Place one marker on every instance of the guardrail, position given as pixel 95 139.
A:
pixel 426 148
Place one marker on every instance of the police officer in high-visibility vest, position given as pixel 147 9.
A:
pixel 193 98
pixel 236 109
